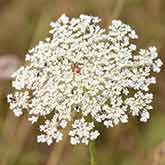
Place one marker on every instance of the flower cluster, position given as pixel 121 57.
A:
pixel 84 74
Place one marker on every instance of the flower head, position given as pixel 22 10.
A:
pixel 85 71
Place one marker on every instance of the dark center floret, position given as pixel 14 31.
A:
pixel 76 69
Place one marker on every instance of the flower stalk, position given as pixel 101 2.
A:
pixel 92 152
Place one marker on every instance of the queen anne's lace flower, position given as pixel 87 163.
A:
pixel 86 73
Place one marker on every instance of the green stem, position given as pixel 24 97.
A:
pixel 92 152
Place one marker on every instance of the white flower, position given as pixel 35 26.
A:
pixel 18 102
pixel 85 71
pixel 82 132
pixel 33 119
pixel 145 116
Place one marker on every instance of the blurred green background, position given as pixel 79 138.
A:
pixel 22 24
